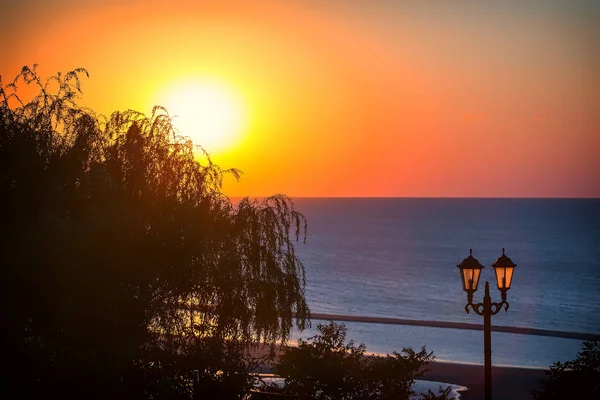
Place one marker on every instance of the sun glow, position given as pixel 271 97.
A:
pixel 208 112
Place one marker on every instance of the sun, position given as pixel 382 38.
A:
pixel 210 113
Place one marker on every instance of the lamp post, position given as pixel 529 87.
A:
pixel 470 271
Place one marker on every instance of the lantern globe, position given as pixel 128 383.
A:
pixel 470 271
pixel 504 268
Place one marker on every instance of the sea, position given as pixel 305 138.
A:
pixel 398 257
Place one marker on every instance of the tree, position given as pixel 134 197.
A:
pixel 121 257
pixel 326 367
pixel 581 375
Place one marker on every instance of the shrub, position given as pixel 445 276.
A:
pixel 581 375
pixel 326 367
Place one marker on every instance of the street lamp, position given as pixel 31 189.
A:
pixel 470 271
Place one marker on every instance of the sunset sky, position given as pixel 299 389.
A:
pixel 348 98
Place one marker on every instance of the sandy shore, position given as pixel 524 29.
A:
pixel 508 383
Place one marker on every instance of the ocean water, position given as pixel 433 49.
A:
pixel 397 258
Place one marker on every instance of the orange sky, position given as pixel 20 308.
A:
pixel 352 98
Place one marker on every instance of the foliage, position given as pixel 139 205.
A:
pixel 581 375
pixel 121 256
pixel 327 367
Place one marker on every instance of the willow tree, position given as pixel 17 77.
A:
pixel 121 257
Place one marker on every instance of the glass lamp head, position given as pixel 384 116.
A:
pixel 504 268
pixel 470 271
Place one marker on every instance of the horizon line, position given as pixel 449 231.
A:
pixel 424 197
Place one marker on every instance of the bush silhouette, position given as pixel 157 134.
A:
pixel 327 367
pixel 581 376
pixel 123 262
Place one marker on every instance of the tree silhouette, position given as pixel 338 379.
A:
pixel 581 375
pixel 122 260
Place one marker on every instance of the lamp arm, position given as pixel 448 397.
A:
pixel 478 308
pixel 496 307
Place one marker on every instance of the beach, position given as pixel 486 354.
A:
pixel 508 383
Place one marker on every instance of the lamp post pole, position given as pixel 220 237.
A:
pixel 487 340
pixel 470 271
